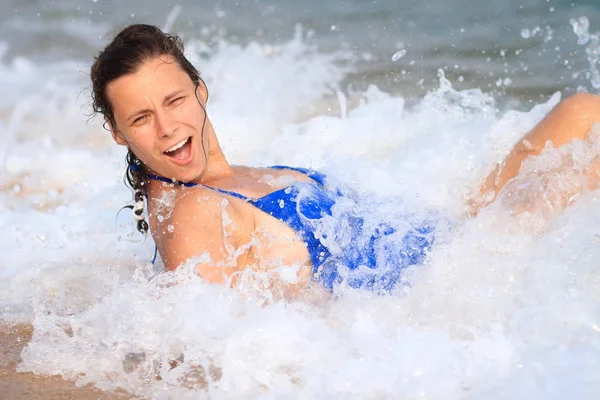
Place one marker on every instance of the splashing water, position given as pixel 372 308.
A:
pixel 506 305
pixel 592 41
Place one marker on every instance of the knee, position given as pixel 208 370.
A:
pixel 582 106
pixel 573 118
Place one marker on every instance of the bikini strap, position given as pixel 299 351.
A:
pixel 316 176
pixel 163 179
pixel 234 194
pixel 192 184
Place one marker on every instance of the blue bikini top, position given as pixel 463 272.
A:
pixel 298 205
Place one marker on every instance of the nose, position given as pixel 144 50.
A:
pixel 165 124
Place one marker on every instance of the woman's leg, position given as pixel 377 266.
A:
pixel 570 119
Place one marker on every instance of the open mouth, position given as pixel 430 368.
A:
pixel 181 151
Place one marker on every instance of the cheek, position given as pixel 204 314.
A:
pixel 193 115
pixel 142 145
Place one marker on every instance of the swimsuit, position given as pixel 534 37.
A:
pixel 343 247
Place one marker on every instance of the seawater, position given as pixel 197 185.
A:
pixel 505 306
pixel 522 49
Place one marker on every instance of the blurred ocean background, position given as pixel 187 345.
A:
pixel 410 103
pixel 524 49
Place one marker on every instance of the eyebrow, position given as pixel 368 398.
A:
pixel 173 94
pixel 147 110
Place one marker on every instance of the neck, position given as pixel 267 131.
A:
pixel 217 167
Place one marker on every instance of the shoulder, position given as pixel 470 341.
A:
pixel 202 209
pixel 198 203
pixel 201 221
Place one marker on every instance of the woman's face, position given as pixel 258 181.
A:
pixel 159 118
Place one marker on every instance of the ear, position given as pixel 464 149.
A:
pixel 202 92
pixel 117 136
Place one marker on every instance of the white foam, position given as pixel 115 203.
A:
pixel 504 307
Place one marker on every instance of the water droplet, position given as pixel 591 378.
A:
pixel 171 228
pixel 398 55
pixel 580 28
pixel 525 34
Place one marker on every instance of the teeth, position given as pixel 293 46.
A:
pixel 177 146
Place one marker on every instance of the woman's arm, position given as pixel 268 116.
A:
pixel 205 227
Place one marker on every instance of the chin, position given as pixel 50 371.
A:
pixel 188 173
pixel 190 176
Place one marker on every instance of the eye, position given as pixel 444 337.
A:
pixel 178 100
pixel 139 119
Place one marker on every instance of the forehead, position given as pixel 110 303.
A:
pixel 158 76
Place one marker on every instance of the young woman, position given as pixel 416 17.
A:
pixel 226 218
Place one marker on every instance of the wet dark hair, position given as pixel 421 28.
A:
pixel 133 46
